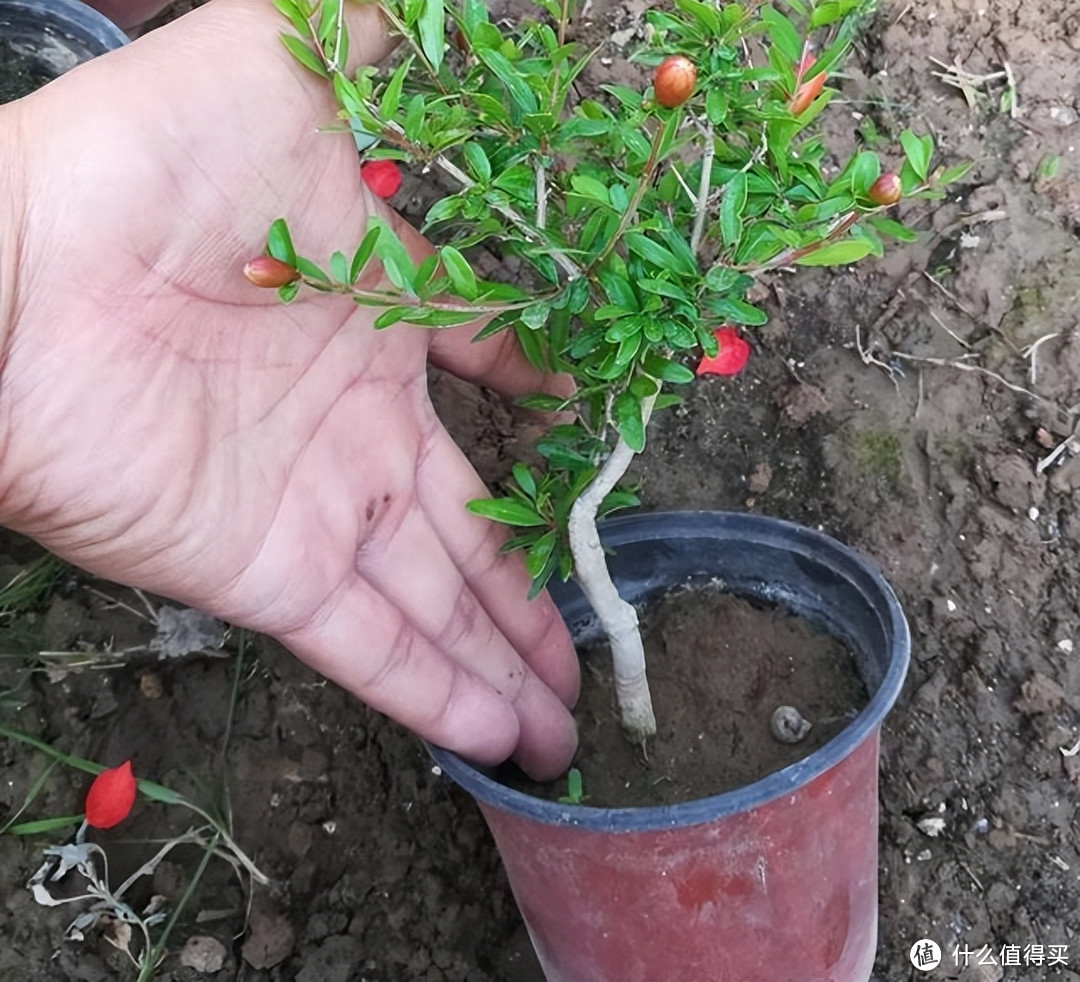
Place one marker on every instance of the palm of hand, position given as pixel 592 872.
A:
pixel 280 467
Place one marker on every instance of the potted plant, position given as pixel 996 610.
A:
pixel 42 39
pixel 643 218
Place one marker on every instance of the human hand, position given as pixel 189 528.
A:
pixel 165 424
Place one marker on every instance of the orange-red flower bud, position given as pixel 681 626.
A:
pixel 111 796
pixel 268 271
pixel 674 80
pixel 886 190
pixel 807 91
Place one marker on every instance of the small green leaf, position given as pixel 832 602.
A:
pixel 537 557
pixel 626 411
pixel 363 254
pixel 279 243
pixel 287 293
pixel 288 9
pixel 864 171
pixel 590 187
pixel 339 267
pixel 954 173
pixel 44 825
pixel 460 272
pixel 886 226
pixel 391 97
pixel 478 162
pixel 918 150
pixel 837 253
pixel 731 209
pixel 392 316
pixel 508 511
pixel 433 32
pixel 536 315
pixel 666 370
pixel 303 54
pixel 522 95
pixel 524 478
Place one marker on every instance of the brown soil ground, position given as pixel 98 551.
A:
pixel 910 407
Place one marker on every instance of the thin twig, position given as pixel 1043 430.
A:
pixel 703 189
pixel 966 367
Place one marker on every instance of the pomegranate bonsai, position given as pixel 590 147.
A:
pixel 642 218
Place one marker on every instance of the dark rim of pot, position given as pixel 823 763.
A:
pixel 856 568
pixel 94 29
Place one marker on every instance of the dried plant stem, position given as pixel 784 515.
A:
pixel 703 190
pixel 618 618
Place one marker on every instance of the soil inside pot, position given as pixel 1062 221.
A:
pixel 21 73
pixel 719 667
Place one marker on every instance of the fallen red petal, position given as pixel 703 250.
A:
pixel 111 797
pixel 382 176
pixel 732 357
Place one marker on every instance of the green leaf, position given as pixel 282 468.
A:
pixel 626 411
pixel 618 289
pixel 460 272
pixel 288 9
pixel 536 315
pixel 478 162
pixel 339 267
pixel 537 557
pixel 508 511
pixel 731 209
pixel 652 252
pixel 44 825
pixel 363 254
pixel 473 14
pixel 782 33
pixel 886 226
pixel 738 311
pixel 414 117
pixel 433 32
pixel 918 150
pixel 395 258
pixel 391 316
pixel 663 288
pixel 956 172
pixel 666 370
pixel 864 171
pixel 279 243
pixel 590 187
pixel 520 91
pixel 716 105
pixel 288 292
pixel 303 54
pixel 837 253
pixel 524 478
pixel 391 97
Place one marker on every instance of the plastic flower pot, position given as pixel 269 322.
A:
pixel 776 880
pixel 42 39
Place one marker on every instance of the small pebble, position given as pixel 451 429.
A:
pixel 788 725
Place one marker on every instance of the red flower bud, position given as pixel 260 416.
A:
pixel 111 796
pixel 674 80
pixel 807 91
pixel 732 357
pixel 886 190
pixel 268 271
pixel 382 176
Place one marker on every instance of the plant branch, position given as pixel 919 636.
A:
pixel 639 192
pixel 617 617
pixel 789 256
pixel 703 189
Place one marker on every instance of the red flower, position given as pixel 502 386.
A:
pixel 382 176
pixel 109 800
pixel 730 359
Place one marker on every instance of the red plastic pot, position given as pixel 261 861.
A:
pixel 773 881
